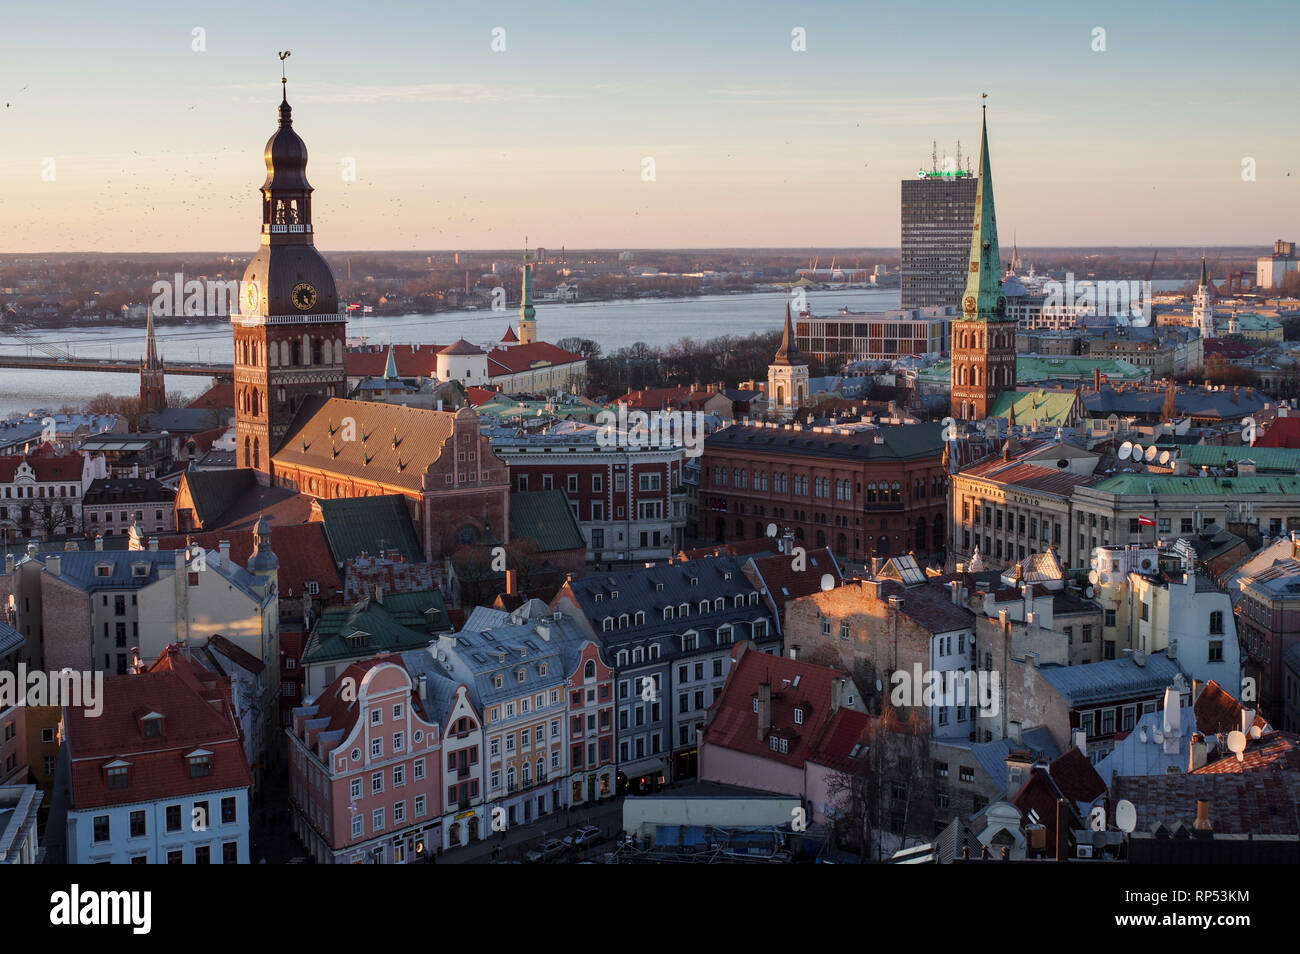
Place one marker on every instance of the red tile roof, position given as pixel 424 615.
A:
pixel 477 396
pixel 413 361
pixel 660 399
pixel 187 696
pixel 785 583
pixel 46 463
pixel 1072 777
pixel 1217 711
pixel 1032 476
pixel 733 724
pixel 524 357
pixel 219 395
pixel 1274 751
pixel 739 548
pixel 510 334
pixel 1283 432
pixel 302 549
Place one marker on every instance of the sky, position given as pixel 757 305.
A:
pixel 139 126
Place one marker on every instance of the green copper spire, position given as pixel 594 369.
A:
pixel 983 300
pixel 526 310
pixel 390 369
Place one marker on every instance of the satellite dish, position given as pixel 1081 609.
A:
pixel 828 582
pixel 1164 458
pixel 1126 816
pixel 1094 577
pixel 1142 734
pixel 1136 453
pixel 1158 736
pixel 771 529
pixel 1255 732
pixel 1089 592
pixel 1152 451
pixel 1237 744
pixel 1124 450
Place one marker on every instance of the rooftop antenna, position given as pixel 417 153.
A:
pixel 934 155
pixel 959 154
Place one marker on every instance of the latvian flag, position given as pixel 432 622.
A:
pixel 353 306
pixel 1146 522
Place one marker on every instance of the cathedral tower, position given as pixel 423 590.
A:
pixel 289 333
pixel 1203 305
pixel 983 338
pixel 527 313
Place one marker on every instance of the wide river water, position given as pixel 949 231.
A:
pixel 614 324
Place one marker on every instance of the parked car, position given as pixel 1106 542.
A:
pixel 584 836
pixel 546 851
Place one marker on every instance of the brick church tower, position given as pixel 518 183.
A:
pixel 289 334
pixel 983 338
pixel 153 386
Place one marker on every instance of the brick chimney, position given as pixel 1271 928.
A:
pixel 1196 752
pixel 764 709
pixel 1202 822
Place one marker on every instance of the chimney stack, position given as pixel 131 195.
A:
pixel 99 541
pixel 511 582
pixel 764 709
pixel 54 565
pixel 1202 822
pixel 224 548
pixel 1247 720
pixel 1196 752
pixel 153 544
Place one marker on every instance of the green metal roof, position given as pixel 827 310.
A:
pixel 1281 459
pixel 1052 408
pixel 1165 485
pixel 545 516
pixel 354 524
pixel 1032 370
pixel 984 280
pixel 401 622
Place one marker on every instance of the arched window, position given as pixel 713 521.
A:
pixel 306 349
pixel 622 624
pixel 589 670
pixel 510 778
pixel 285 357
pixel 256 452
pixel 248 454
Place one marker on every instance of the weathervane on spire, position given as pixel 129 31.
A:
pixel 284 81
pixel 984 105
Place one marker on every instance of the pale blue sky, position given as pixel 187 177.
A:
pixel 157 147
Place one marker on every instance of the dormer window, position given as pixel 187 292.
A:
pixel 622 621
pixel 498 681
pixel 139 569
pixel 200 764
pixel 541 670
pixel 118 773
pixel 668 612
pixel 521 674
pixel 798 715
pixel 103 569
pixel 639 618
pixel 739 600
pixel 151 726
pixel 704 606
pixel 607 624
pixel 719 604
pixel 614 595
pixel 659 587
pixel 684 610
pixel 695 581
pixel 599 597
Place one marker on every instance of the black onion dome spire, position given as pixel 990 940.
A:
pixel 286 155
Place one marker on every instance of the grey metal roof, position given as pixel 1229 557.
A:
pixel 439 685
pixel 1111 678
pixel 992 756
pixel 10 639
pixel 1134 756
pixel 898 442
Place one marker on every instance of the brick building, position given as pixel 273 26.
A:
pixel 859 491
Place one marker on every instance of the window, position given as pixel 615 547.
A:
pixel 137 825
pixel 376 748
pixel 419 766
pixel 844 630
pixel 1216 623
pixel 102 830
pixel 376 783
pixel 357 824
pixel 798 715
pixel 200 766
pixel 202 855
pixel 230 853
pixel 117 777
pixel 377 820
pixel 173 818
pixel 355 791
pixel 399 776
pixel 228 810
pixel 826 626
pixel 1110 618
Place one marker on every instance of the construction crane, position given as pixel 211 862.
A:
pixel 1151 268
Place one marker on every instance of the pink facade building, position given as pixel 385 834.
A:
pixel 366 768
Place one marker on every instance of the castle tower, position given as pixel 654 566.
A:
pixel 289 334
pixel 153 387
pixel 1203 305
pixel 787 375
pixel 527 313
pixel 983 338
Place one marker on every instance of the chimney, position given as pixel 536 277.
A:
pixel 1081 741
pixel 764 709
pixel 1013 729
pixel 1062 818
pixel 1247 720
pixel 54 565
pixel 1196 752
pixel 511 582
pixel 1202 822
pixel 99 541
pixel 424 687
pixel 787 540
pixel 224 548
pixel 955 589
pixel 837 693
pixel 153 544
pixel 9 564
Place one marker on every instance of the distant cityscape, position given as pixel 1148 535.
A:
pixel 1008 573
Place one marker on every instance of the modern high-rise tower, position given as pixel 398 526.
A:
pixel 984 338
pixel 937 209
pixel 289 333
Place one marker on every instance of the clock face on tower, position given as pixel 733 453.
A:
pixel 303 296
pixel 969 304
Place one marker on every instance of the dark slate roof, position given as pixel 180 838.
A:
pixel 403 621
pixel 357 524
pixel 1111 679
pixel 545 516
pixel 638 589
pixel 992 756
pixel 112 490
pixel 900 442
pixel 440 688
pixel 10 639
pixel 214 492
pixel 1199 402
pixel 183 420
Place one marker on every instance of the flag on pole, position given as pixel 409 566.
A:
pixel 1146 522
pixel 367 310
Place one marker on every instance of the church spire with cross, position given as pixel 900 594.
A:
pixel 787 375
pixel 983 337
pixel 153 387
